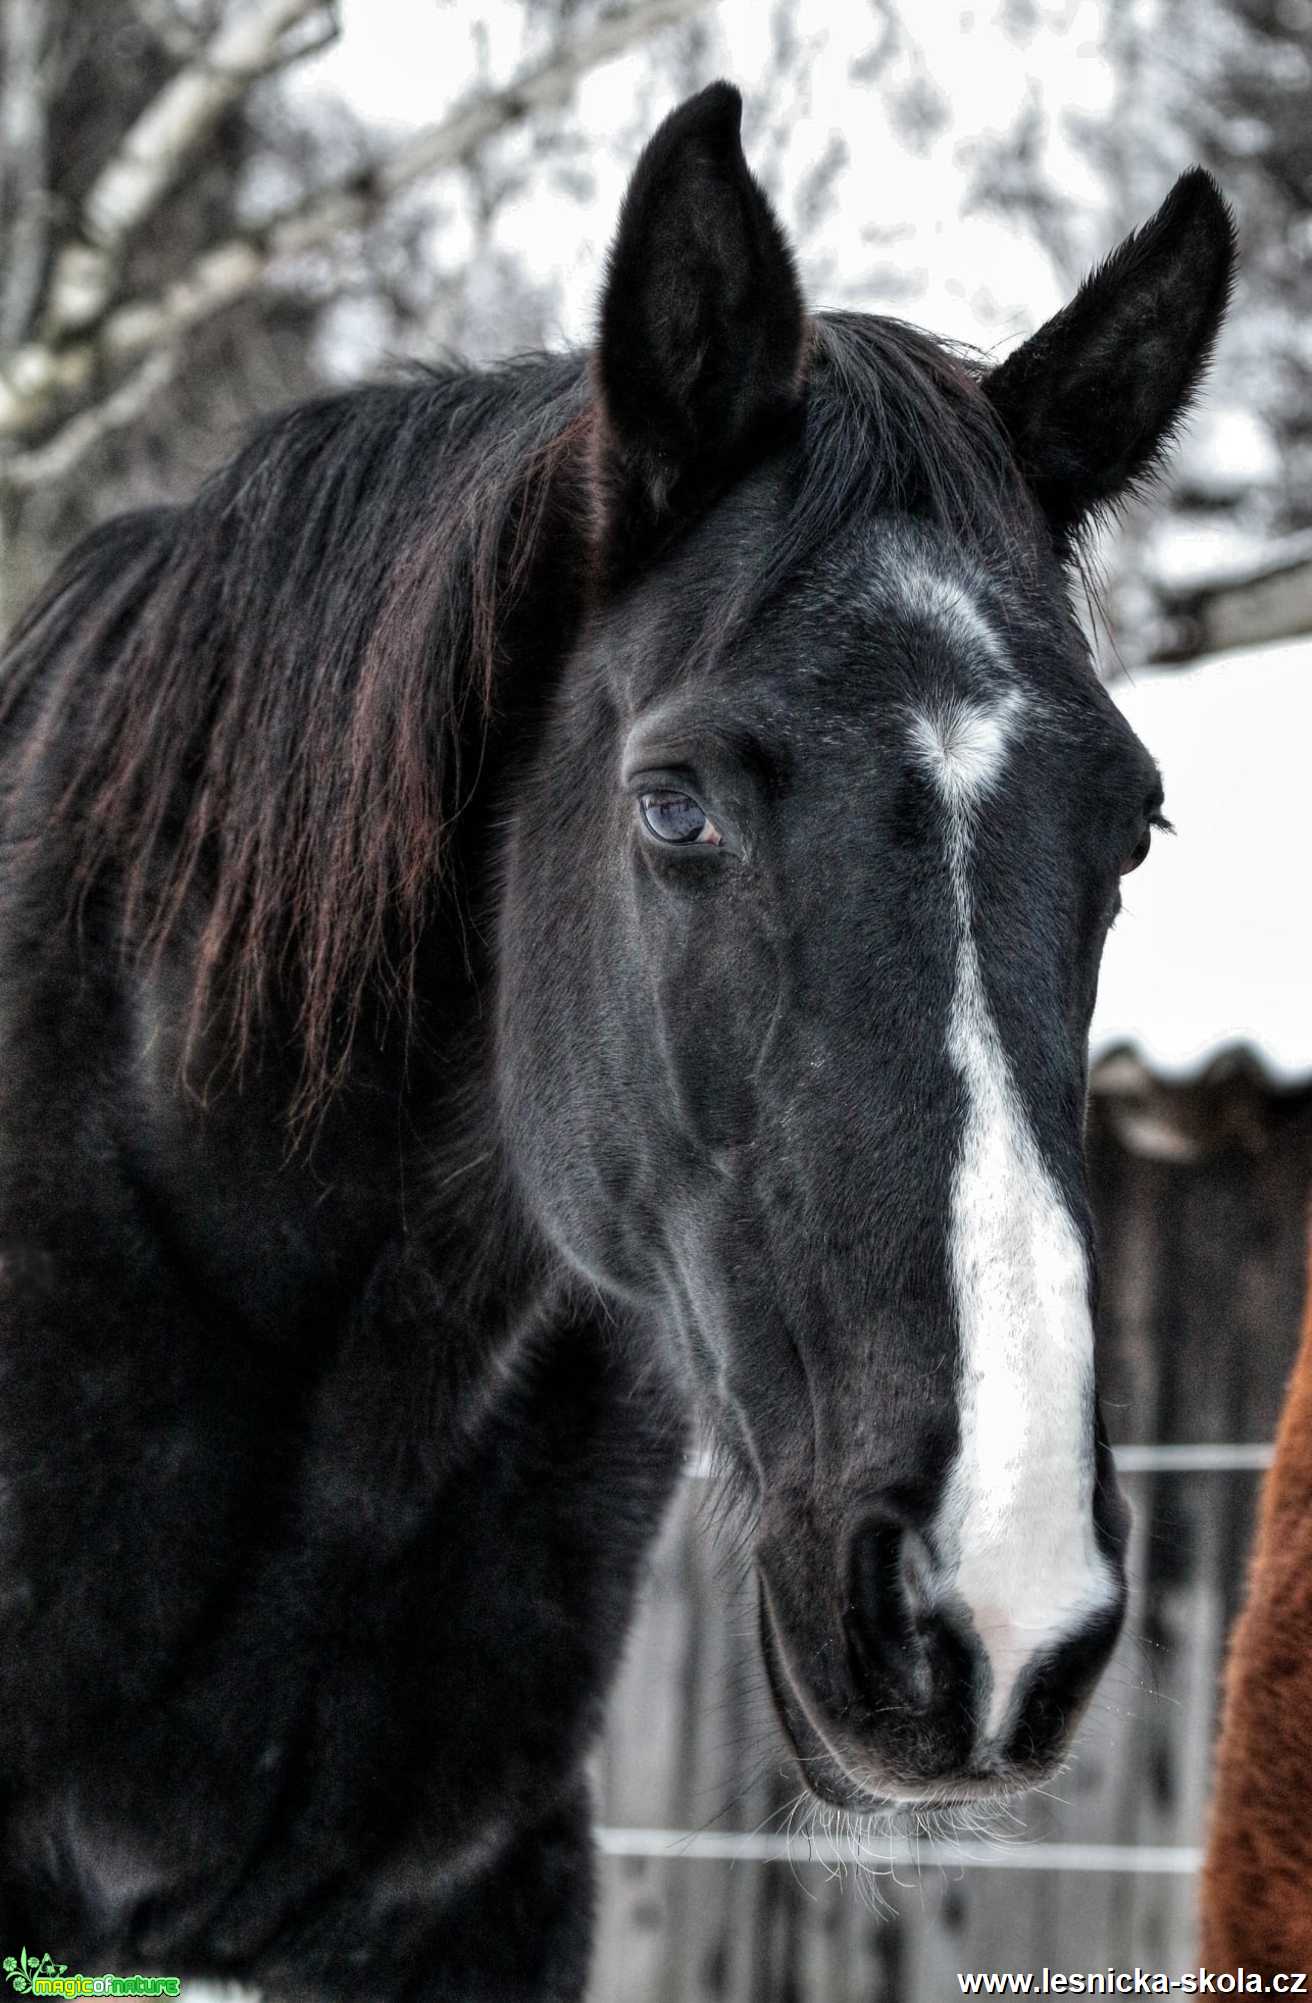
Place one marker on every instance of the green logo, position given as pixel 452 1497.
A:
pixel 22 1973
pixel 40 1976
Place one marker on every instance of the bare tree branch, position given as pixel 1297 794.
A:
pixel 153 151
pixel 58 456
pixel 24 36
pixel 180 37
pixel 42 375
pixel 471 125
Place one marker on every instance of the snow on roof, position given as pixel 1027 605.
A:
pixel 1214 945
pixel 1226 453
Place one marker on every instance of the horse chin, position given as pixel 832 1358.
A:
pixel 822 1772
pixel 895 1805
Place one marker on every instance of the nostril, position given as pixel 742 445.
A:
pixel 1057 1687
pixel 884 1621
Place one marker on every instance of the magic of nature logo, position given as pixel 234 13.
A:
pixel 41 1975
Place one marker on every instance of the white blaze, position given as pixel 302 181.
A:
pixel 1015 1531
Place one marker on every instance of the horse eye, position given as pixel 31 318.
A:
pixel 674 817
pixel 1139 853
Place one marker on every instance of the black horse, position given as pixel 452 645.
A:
pixel 541 898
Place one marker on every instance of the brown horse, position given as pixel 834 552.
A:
pixel 1257 1877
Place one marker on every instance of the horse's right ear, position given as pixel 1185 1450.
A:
pixel 703 330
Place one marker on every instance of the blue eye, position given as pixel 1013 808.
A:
pixel 675 817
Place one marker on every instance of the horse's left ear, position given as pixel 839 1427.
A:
pixel 1091 401
pixel 699 359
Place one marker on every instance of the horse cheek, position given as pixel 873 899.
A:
pixel 714 1015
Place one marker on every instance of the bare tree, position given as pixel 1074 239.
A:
pixel 1225 82
pixel 137 274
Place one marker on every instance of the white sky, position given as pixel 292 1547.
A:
pixel 1214 947
pixel 401 63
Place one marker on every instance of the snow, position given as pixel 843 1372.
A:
pixel 1214 945
pixel 1186 551
pixel 1225 453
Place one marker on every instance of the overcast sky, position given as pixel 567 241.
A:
pixel 400 63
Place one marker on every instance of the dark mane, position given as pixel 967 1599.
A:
pixel 266 708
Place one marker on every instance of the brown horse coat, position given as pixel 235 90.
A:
pixel 1257 1877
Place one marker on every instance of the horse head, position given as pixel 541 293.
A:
pixel 806 893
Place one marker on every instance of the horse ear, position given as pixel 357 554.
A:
pixel 702 332
pixel 1092 400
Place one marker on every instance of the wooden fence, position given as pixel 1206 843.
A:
pixel 1201 1193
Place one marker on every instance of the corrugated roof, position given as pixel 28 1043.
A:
pixel 1214 946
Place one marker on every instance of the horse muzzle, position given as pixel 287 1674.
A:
pixel 898 1700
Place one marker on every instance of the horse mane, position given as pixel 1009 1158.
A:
pixel 269 705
